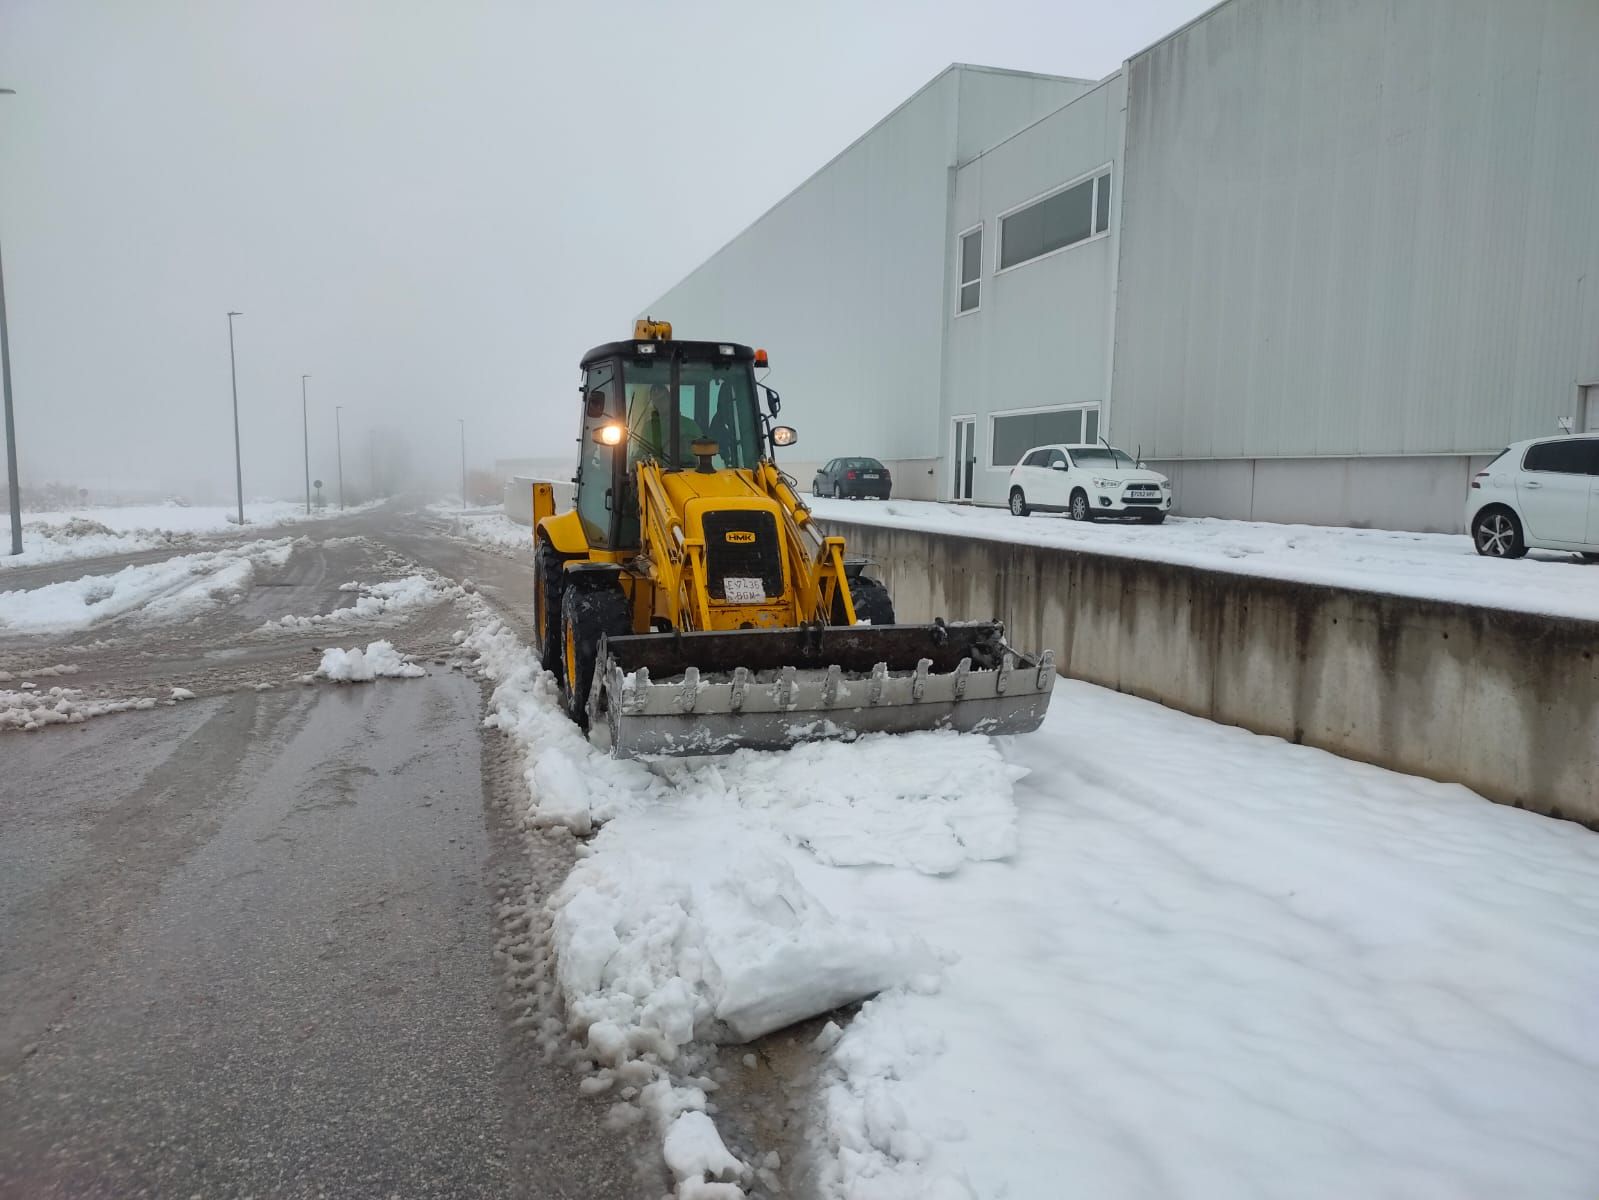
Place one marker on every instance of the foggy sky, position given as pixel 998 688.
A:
pixel 433 209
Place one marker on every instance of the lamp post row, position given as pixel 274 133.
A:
pixel 14 486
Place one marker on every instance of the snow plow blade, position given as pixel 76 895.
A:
pixel 670 694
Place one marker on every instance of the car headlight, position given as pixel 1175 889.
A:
pixel 1166 483
pixel 1106 483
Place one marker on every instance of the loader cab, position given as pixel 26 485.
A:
pixel 652 400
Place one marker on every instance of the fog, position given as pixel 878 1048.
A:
pixel 432 209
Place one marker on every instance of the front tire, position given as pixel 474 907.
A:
pixel 1496 533
pixel 549 579
pixel 1018 503
pixel 588 613
pixel 1080 509
pixel 873 604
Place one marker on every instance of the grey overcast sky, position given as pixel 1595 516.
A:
pixel 433 208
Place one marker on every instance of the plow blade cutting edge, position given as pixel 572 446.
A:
pixel 764 689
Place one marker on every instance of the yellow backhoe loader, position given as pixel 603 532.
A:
pixel 689 603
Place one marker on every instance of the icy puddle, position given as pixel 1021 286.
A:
pixel 1134 954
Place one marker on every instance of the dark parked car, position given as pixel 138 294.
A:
pixel 852 477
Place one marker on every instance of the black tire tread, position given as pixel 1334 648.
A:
pixel 593 612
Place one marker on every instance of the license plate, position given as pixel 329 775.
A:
pixel 871 475
pixel 1142 492
pixel 742 590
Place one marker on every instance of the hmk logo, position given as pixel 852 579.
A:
pixel 740 537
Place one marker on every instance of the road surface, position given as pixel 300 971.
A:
pixel 247 940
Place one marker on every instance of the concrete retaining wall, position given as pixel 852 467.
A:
pixel 1505 703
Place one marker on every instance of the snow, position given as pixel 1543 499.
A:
pixel 92 532
pixel 1223 965
pixel 173 589
pixel 31 709
pixel 1431 566
pixel 1134 954
pixel 488 527
pixel 379 659
pixel 388 599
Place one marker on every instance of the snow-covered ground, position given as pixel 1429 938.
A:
pixel 1134 954
pixel 1428 565
pixel 387 599
pixel 173 589
pixel 486 526
pixel 91 532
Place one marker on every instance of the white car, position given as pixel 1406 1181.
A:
pixel 1541 494
pixel 1088 482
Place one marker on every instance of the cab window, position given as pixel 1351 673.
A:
pixel 596 474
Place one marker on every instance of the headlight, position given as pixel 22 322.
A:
pixel 1166 483
pixel 1106 483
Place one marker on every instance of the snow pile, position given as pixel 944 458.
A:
pixel 173 589
pixel 493 529
pixel 363 666
pixel 30 709
pixel 686 920
pixel 1220 964
pixel 928 801
pixel 376 601
pixel 93 532
pixel 1433 566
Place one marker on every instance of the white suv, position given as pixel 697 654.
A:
pixel 1089 482
pixel 1540 494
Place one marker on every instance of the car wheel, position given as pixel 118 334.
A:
pixel 1080 509
pixel 1590 556
pixel 1018 503
pixel 838 492
pixel 1496 533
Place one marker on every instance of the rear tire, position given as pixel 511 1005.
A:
pixel 1018 503
pixel 1496 533
pixel 872 602
pixel 548 583
pixel 588 613
pixel 1080 509
pixel 838 492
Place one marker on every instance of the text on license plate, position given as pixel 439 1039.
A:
pixel 743 590
pixel 871 475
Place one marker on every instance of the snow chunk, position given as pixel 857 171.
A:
pixel 181 694
pixel 362 666
pixel 376 601
pixel 695 1153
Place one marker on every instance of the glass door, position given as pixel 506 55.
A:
pixel 964 459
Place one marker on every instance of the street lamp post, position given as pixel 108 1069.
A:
pixel 238 461
pixel 462 420
pixel 305 432
pixel 338 442
pixel 14 488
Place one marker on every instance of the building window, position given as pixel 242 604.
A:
pixel 1012 435
pixel 1063 218
pixel 971 270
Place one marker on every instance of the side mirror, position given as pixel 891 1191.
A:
pixel 594 404
pixel 774 402
pixel 784 435
pixel 1057 466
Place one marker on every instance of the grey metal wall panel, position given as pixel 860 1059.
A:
pixel 1359 227
pixel 1040 336
pixel 843 280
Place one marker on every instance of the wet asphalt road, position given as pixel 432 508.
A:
pixel 246 950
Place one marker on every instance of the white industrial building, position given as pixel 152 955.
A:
pixel 1315 258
